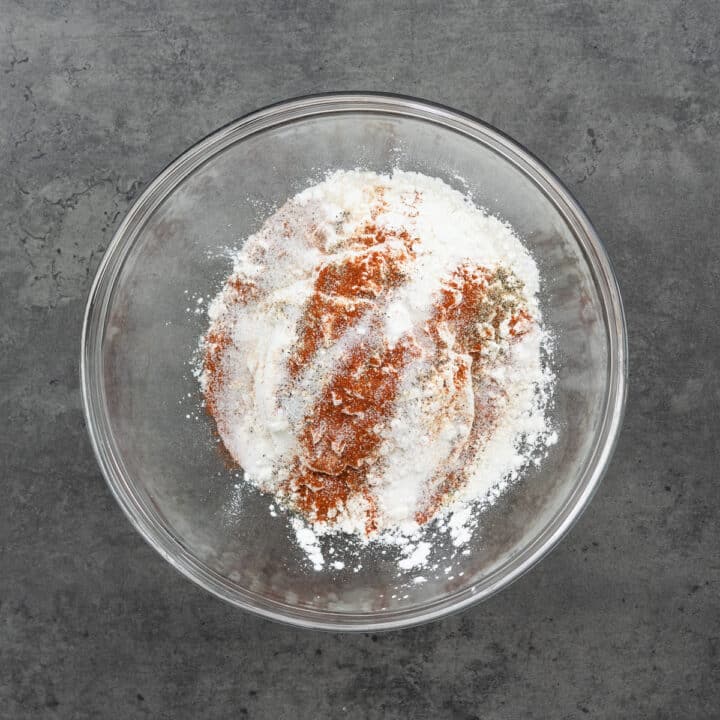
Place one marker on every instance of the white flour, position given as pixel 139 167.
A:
pixel 256 322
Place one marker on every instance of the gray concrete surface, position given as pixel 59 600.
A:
pixel 622 99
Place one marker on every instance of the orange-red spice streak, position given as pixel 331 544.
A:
pixel 470 309
pixel 217 342
pixel 342 434
pixel 345 291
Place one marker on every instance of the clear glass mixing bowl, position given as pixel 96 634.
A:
pixel 155 446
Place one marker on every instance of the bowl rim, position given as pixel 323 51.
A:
pixel 144 518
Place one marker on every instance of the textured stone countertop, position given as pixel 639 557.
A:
pixel 622 99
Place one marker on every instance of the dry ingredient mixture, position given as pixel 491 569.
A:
pixel 375 360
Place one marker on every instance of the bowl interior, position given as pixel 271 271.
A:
pixel 157 447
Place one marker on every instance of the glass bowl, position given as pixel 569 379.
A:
pixel 145 315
